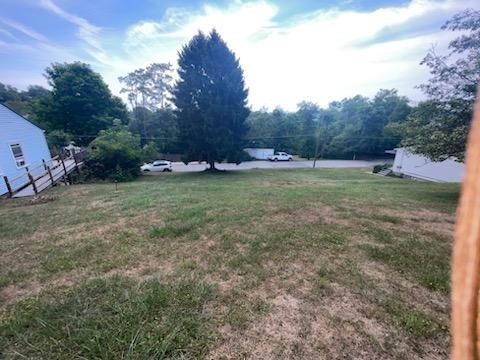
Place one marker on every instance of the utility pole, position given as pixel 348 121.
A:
pixel 317 144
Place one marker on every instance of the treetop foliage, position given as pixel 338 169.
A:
pixel 150 87
pixel 80 103
pixel 439 127
pixel 22 102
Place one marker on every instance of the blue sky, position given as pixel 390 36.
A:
pixel 290 50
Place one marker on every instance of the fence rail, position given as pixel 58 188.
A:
pixel 43 174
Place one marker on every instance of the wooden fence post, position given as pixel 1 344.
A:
pixel 9 187
pixel 44 164
pixel 64 171
pixel 76 163
pixel 50 174
pixel 32 181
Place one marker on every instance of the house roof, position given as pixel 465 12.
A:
pixel 23 117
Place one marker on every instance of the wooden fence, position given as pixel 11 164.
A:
pixel 42 175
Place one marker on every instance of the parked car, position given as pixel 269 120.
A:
pixel 280 156
pixel 157 165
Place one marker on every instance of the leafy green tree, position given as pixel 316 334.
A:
pixel 115 154
pixel 439 127
pixel 325 132
pixel 158 127
pixel 352 117
pixel 22 102
pixel 160 80
pixel 211 101
pixel 148 90
pixel 362 125
pixel 286 131
pixel 8 93
pixel 260 129
pixel 433 131
pixel 307 114
pixel 150 87
pixel 80 102
pixel 141 123
pixel 278 129
pixel 56 139
pixel 166 130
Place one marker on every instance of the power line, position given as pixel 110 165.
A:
pixel 265 137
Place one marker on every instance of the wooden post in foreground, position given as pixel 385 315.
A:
pixel 64 171
pixel 50 174
pixel 32 182
pixel 9 187
pixel 466 255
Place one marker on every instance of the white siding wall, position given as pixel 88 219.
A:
pixel 421 167
pixel 259 153
pixel 16 129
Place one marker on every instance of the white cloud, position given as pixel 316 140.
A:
pixel 7 34
pixel 36 44
pixel 87 32
pixel 321 56
pixel 24 29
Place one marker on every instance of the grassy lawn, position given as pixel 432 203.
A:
pixel 315 264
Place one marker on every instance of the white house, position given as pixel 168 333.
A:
pixel 420 167
pixel 259 153
pixel 22 144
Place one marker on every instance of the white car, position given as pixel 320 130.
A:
pixel 157 165
pixel 280 156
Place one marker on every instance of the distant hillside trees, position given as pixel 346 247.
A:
pixel 22 102
pixel 79 104
pixel 159 125
pixel 211 101
pixel 439 127
pixel 355 126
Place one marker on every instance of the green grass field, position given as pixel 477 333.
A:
pixel 307 264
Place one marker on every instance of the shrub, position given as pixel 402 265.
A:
pixel 115 154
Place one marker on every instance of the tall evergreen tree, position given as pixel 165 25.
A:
pixel 211 101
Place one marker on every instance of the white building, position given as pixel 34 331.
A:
pixel 420 167
pixel 22 144
pixel 259 153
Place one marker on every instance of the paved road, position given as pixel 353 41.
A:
pixel 194 166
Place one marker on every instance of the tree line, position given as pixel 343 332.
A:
pixel 204 116
pixel 356 126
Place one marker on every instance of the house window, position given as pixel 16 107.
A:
pixel 18 154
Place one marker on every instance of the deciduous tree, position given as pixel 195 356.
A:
pixel 80 103
pixel 438 128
